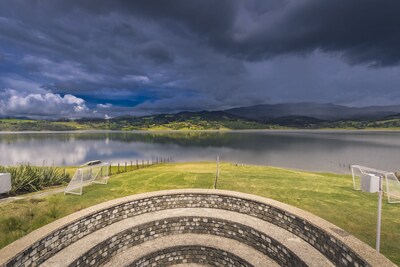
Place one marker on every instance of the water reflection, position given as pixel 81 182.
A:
pixel 319 151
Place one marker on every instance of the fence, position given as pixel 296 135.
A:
pixel 115 167
pixel 136 164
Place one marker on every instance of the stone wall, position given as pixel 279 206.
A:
pixel 182 225
pixel 332 247
pixel 190 254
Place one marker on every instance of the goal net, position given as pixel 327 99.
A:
pixel 87 175
pixel 390 183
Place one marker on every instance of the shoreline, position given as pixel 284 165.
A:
pixel 207 131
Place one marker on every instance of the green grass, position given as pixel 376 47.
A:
pixel 27 178
pixel 35 125
pixel 329 196
pixel 190 121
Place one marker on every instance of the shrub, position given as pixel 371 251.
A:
pixel 25 178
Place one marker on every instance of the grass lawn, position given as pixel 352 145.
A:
pixel 329 196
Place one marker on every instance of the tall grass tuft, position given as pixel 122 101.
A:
pixel 25 178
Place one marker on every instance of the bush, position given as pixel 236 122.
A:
pixel 25 178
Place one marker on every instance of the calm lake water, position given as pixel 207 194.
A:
pixel 331 151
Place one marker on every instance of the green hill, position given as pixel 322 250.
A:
pixel 203 120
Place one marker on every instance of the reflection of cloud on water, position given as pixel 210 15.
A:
pixel 36 153
pixel 102 148
pixel 318 155
pixel 301 151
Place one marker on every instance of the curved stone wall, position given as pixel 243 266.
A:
pixel 102 252
pixel 334 244
pixel 190 254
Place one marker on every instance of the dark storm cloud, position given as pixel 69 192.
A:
pixel 365 32
pixel 197 54
pixel 157 52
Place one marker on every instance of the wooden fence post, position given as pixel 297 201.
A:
pixel 217 174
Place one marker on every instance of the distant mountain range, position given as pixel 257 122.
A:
pixel 327 112
pixel 278 116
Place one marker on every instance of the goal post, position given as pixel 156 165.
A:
pixel 391 186
pixel 84 176
pixel 100 173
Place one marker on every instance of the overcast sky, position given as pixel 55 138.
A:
pixel 70 58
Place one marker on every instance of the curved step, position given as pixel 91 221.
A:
pixel 190 254
pixel 286 239
pixel 313 232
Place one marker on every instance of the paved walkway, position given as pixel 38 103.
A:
pixel 34 195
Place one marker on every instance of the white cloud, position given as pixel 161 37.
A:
pixel 107 105
pixel 20 84
pixel 136 78
pixel 40 105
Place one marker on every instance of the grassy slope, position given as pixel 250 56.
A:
pixel 329 196
pixel 32 125
pixel 187 123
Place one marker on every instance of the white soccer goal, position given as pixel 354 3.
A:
pixel 87 175
pixel 391 186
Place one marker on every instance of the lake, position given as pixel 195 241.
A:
pixel 330 151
